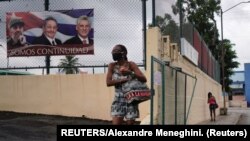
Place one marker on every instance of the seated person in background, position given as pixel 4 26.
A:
pixel 49 32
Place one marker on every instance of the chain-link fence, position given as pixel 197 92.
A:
pixel 115 22
pixel 164 9
pixel 176 26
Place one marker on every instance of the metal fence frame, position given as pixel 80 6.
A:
pixel 164 66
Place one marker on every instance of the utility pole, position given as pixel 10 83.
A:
pixel 144 27
pixel 47 57
pixel 222 58
pixel 222 67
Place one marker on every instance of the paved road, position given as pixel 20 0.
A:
pixel 34 127
pixel 245 116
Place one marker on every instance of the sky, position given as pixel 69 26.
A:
pixel 127 14
pixel 236 28
pixel 115 22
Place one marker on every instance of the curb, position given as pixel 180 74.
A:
pixel 238 119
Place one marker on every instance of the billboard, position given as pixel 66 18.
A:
pixel 64 32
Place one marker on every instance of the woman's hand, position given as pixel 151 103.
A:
pixel 124 70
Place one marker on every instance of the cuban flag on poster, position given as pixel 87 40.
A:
pixel 66 19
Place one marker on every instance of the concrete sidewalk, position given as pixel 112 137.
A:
pixel 231 118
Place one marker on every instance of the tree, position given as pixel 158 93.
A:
pixel 201 14
pixel 168 27
pixel 68 65
pixel 230 55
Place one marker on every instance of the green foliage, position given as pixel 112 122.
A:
pixel 168 27
pixel 201 13
pixel 69 64
pixel 229 57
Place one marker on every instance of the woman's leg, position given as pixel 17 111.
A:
pixel 132 114
pixel 211 113
pixel 117 120
pixel 130 122
pixel 214 113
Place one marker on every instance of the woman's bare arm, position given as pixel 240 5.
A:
pixel 109 80
pixel 137 72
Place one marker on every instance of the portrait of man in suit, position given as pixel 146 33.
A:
pixel 83 27
pixel 50 27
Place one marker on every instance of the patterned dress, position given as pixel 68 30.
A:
pixel 120 107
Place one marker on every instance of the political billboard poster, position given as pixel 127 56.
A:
pixel 64 32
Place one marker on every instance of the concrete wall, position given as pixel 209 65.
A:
pixel 88 95
pixel 238 101
pixel 68 95
pixel 199 109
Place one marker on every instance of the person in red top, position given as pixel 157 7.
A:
pixel 212 106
